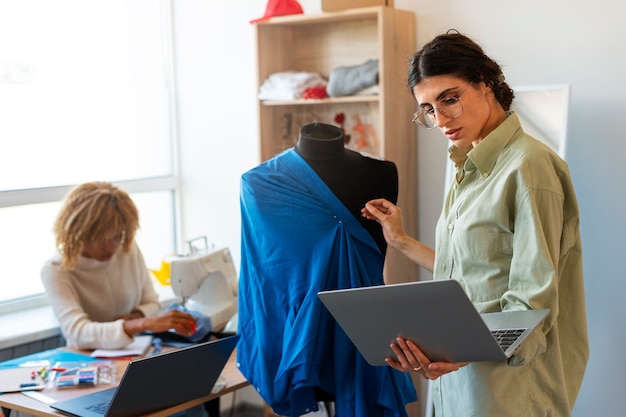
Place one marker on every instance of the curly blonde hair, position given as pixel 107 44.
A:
pixel 94 211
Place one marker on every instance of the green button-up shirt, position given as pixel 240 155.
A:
pixel 509 233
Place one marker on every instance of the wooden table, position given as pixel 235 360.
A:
pixel 19 402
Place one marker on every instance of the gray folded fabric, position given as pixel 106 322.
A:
pixel 348 80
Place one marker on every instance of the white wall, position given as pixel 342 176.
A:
pixel 536 41
pixel 216 82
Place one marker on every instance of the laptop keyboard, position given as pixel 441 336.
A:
pixel 100 408
pixel 507 337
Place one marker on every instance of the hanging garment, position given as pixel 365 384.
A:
pixel 298 239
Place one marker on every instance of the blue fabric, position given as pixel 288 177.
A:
pixel 298 239
pixel 46 358
pixel 203 331
pixel 203 323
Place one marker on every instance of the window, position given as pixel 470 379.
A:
pixel 85 94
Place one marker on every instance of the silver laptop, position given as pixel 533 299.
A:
pixel 156 382
pixel 437 315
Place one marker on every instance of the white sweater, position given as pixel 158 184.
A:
pixel 86 300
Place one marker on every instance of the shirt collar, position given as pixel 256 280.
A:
pixel 484 155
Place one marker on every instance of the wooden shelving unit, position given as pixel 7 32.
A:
pixel 319 43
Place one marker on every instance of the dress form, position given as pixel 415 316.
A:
pixel 351 176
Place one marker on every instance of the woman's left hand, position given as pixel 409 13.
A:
pixel 179 321
pixel 412 359
pixel 135 314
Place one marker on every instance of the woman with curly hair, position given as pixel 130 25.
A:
pixel 98 283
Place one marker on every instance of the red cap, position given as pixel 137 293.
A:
pixel 280 8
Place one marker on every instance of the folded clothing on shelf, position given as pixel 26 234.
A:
pixel 289 85
pixel 349 80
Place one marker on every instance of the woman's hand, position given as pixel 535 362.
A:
pixel 135 314
pixel 412 359
pixel 389 216
pixel 176 320
pixel 179 321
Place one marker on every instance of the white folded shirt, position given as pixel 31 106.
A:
pixel 289 85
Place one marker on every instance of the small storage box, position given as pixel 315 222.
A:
pixel 336 5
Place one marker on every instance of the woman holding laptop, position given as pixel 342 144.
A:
pixel 508 232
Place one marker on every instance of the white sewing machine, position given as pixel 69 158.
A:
pixel 207 282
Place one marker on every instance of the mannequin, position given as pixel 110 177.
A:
pixel 302 232
pixel 351 176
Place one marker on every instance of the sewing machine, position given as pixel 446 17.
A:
pixel 207 282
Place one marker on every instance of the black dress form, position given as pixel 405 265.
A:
pixel 352 177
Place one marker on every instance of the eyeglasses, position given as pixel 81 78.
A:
pixel 450 107
pixel 116 240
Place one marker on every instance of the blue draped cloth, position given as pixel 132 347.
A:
pixel 298 239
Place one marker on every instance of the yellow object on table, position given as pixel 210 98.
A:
pixel 163 274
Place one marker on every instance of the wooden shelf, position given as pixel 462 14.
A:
pixel 324 17
pixel 325 101
pixel 322 42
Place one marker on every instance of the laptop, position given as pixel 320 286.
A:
pixel 437 315
pixel 156 382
